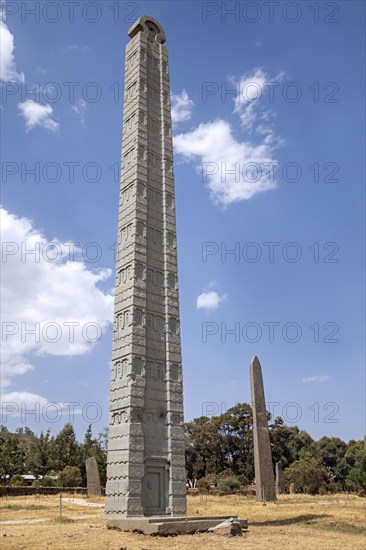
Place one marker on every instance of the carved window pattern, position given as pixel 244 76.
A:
pixel 169 200
pixel 173 325
pixel 172 284
pixel 131 90
pixel 175 371
pixel 142 117
pixel 138 317
pixel 137 365
pixel 154 235
pixel 142 152
pixel 130 122
pixel 125 274
pixel 124 319
pixel 154 197
pixel 126 232
pixel 143 87
pixel 171 239
pixel 140 270
pixel 140 229
pixel 129 157
pixel 127 194
pixel 141 189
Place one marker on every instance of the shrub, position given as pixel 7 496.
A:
pixel 203 485
pixel 228 484
pixel 307 476
pixel 47 481
pixel 69 477
pixel 17 481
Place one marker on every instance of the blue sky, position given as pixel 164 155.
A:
pixel 275 98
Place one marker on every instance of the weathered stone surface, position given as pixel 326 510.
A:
pixel 264 478
pixel 173 525
pixel 145 470
pixel 92 477
pixel 230 527
pixel 280 479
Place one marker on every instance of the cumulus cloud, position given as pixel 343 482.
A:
pixel 249 101
pixel 318 379
pixel 210 301
pixel 33 113
pixel 51 302
pixel 182 107
pixel 236 169
pixel 21 403
pixel 8 70
pixel 36 114
pixel 233 170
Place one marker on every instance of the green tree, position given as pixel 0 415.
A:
pixel 356 460
pixel 236 427
pixel 12 456
pixel 39 459
pixel 220 443
pixel 331 452
pixel 307 475
pixel 48 481
pixel 289 443
pixel 94 448
pixel 69 477
pixel 228 484
pixel 64 449
pixel 17 481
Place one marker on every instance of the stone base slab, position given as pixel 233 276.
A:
pixel 162 525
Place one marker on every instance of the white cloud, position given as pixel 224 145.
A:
pixel 233 170
pixel 80 108
pixel 182 107
pixel 17 403
pixel 45 292
pixel 36 114
pixel 252 89
pixel 210 300
pixel 8 71
pixel 317 378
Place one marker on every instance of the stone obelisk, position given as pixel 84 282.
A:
pixel 146 461
pixel 280 479
pixel 92 477
pixel 264 478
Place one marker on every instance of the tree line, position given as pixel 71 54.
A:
pixel 220 448
pixel 219 452
pixel 57 460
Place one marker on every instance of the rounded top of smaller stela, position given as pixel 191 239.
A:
pixel 149 26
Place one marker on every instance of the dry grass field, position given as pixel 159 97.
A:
pixel 294 522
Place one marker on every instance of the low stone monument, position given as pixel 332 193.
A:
pixel 264 478
pixel 280 479
pixel 92 477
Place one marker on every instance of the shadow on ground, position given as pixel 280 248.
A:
pixel 289 521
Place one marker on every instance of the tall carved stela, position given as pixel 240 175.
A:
pixel 146 470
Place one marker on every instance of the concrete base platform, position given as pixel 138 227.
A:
pixel 163 525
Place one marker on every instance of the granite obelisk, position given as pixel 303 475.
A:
pixel 280 479
pixel 92 477
pixel 146 461
pixel 264 478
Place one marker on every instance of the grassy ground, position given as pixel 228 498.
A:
pixel 294 522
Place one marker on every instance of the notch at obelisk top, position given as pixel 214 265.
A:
pixel 149 26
